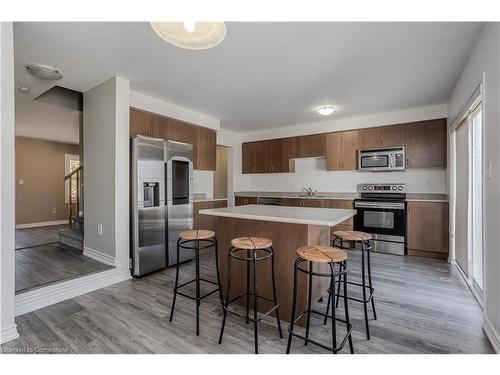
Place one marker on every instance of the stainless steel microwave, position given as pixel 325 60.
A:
pixel 382 159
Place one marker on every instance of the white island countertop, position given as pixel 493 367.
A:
pixel 282 214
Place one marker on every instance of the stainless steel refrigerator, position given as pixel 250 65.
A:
pixel 161 192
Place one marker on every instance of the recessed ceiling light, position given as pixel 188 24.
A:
pixel 45 72
pixel 191 35
pixel 325 110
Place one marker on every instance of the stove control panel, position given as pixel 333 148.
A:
pixel 382 188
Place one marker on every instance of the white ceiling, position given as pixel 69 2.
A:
pixel 263 74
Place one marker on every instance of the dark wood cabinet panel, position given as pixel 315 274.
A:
pixel 312 146
pixel 205 152
pixel 181 132
pixel 269 156
pixel 392 136
pixel 248 157
pixel 341 152
pixel 369 138
pixel 140 123
pixel 428 228
pixel 204 221
pixel 241 201
pixel 426 144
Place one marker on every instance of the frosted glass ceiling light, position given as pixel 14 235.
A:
pixel 325 110
pixel 191 35
pixel 45 72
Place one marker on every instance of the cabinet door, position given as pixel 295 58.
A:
pixel 181 132
pixel 333 151
pixel 205 150
pixel 428 226
pixel 293 147
pixel 140 122
pixel 248 157
pixel 279 156
pixel 312 145
pixel 262 157
pixel 349 150
pixel 340 203
pixel 241 201
pixel 293 202
pixel 426 144
pixel 202 221
pixel 369 138
pixel 392 136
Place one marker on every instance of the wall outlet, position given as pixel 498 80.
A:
pixel 99 229
pixel 21 182
pixel 428 181
pixel 53 210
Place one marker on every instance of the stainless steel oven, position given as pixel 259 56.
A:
pixel 381 211
pixel 382 160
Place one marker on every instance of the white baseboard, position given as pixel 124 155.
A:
pixel 100 257
pixel 492 334
pixel 50 294
pixel 8 334
pixel 42 224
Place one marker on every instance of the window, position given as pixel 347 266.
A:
pixel 71 162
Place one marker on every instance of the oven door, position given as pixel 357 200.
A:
pixel 386 218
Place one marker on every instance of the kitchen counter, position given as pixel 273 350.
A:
pixel 210 200
pixel 328 217
pixel 410 197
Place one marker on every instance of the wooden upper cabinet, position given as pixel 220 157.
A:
pixel 369 138
pixel 428 227
pixel 205 150
pixel 248 157
pixel 381 137
pixel 426 144
pixel 392 136
pixel 181 132
pixel 341 151
pixel 140 123
pixel 312 146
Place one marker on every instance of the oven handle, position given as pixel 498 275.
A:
pixel 385 205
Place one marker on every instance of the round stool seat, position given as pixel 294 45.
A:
pixel 197 234
pixel 251 243
pixel 352 235
pixel 322 254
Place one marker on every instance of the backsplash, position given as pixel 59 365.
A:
pixel 312 172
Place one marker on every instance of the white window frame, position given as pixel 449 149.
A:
pixel 67 164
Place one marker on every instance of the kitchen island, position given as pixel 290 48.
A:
pixel 288 228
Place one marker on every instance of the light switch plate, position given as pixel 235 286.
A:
pixel 99 229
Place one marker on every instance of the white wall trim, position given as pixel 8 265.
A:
pixel 8 334
pixel 41 224
pixel 100 257
pixel 492 334
pixel 51 294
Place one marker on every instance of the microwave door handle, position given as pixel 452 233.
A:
pixel 391 160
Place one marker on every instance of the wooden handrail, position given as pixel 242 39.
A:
pixel 73 172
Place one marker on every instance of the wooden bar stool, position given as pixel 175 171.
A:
pixel 196 240
pixel 364 240
pixel 318 255
pixel 251 250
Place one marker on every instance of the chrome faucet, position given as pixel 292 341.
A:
pixel 309 191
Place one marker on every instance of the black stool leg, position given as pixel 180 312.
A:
pixel 370 284
pixel 224 310
pixel 338 290
pixel 334 321
pixel 327 306
pixel 198 302
pixel 309 300
pixel 346 307
pixel 176 282
pixel 274 294
pixel 294 302
pixel 217 270
pixel 255 323
pixel 248 287
pixel 363 281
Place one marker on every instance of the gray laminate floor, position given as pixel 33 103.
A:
pixel 37 266
pixel 38 235
pixel 423 306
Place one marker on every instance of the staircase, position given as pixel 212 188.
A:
pixel 73 236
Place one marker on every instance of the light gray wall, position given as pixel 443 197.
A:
pixel 105 128
pixel 484 66
pixel 8 329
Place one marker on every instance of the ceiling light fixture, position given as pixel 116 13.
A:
pixel 325 110
pixel 23 89
pixel 45 72
pixel 191 35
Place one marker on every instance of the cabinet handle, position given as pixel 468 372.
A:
pixel 407 162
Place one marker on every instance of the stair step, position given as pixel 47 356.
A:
pixel 72 237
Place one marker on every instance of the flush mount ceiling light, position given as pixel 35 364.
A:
pixel 45 72
pixel 191 35
pixel 325 110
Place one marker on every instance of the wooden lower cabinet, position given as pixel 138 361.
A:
pixel 204 221
pixel 241 201
pixel 428 230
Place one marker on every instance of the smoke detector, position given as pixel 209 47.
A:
pixel 45 72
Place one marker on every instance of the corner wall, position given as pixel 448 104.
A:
pixel 8 330
pixel 483 66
